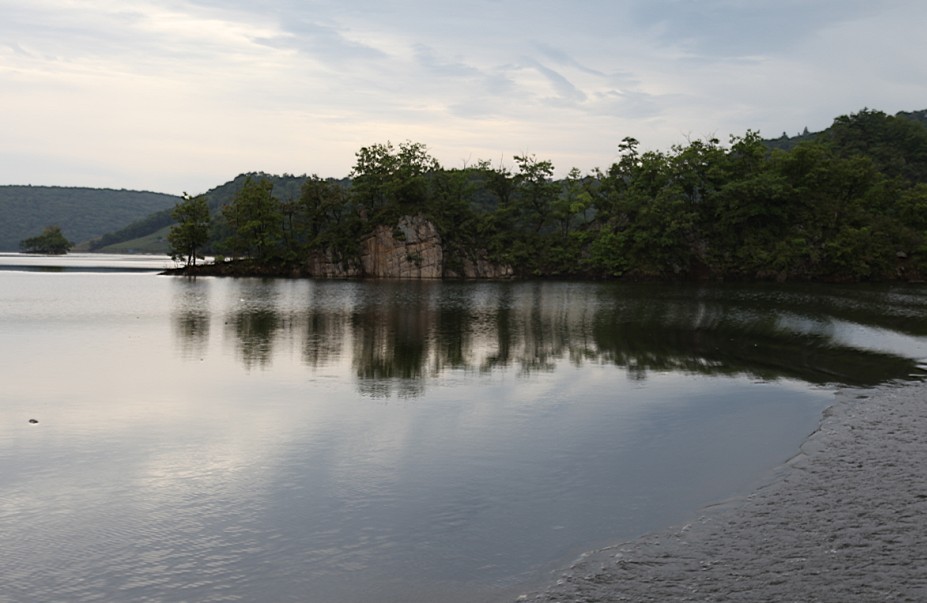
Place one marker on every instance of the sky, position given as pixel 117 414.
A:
pixel 183 95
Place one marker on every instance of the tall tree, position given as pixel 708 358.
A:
pixel 191 232
pixel 536 189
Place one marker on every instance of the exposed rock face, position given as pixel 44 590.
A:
pixel 481 268
pixel 410 250
pixel 324 266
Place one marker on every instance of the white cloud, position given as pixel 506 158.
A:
pixel 183 95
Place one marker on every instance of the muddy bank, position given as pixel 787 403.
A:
pixel 843 521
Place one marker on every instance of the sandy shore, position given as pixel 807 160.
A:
pixel 844 521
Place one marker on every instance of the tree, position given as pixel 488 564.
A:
pixel 536 189
pixel 390 182
pixel 256 220
pixel 327 219
pixel 51 242
pixel 191 231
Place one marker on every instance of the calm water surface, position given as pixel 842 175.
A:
pixel 245 439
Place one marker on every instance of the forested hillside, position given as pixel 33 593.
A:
pixel 82 213
pixel 846 204
pixel 786 142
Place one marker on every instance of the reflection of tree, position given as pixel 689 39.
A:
pixel 503 332
pixel 391 336
pixel 713 331
pixel 403 333
pixel 456 323
pixel 191 316
pixel 255 321
pixel 324 336
pixel 700 331
pixel 536 324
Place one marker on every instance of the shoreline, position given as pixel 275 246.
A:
pixel 842 520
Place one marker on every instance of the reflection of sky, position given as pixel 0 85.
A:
pixel 86 262
pixel 857 336
pixel 153 467
pixel 881 340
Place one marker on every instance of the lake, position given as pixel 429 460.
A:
pixel 348 441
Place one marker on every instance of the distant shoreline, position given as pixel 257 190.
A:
pixel 842 521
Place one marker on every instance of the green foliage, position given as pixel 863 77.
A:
pixel 191 231
pixel 255 218
pixel 326 219
pixel 50 242
pixel 388 182
pixel 897 146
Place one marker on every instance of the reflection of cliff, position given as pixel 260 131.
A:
pixel 391 343
pixel 401 334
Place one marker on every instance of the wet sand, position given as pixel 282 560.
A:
pixel 844 521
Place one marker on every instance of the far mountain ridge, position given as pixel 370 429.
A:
pixel 786 142
pixel 82 213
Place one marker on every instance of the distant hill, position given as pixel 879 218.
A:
pixel 82 213
pixel 918 116
pixel 787 143
pixel 897 145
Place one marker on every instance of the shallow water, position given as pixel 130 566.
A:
pixel 246 439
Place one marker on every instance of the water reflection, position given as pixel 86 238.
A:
pixel 323 336
pixel 526 446
pixel 191 318
pixel 401 334
pixel 393 327
pixel 255 320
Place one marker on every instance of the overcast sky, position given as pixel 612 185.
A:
pixel 183 95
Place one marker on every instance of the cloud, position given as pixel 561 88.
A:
pixel 732 28
pixel 184 94
pixel 567 93
pixel 323 43
pixel 429 59
pixel 562 58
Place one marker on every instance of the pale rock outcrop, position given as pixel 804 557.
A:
pixel 323 265
pixel 410 250
pixel 482 268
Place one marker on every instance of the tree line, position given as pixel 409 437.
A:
pixel 847 204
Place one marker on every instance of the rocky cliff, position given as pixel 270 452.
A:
pixel 410 250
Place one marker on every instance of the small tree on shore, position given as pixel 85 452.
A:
pixel 192 229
